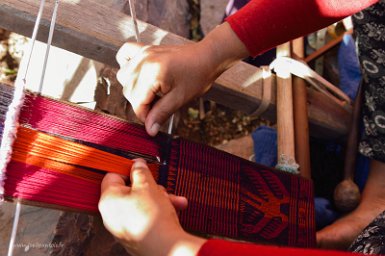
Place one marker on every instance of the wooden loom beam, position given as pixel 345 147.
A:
pixel 96 32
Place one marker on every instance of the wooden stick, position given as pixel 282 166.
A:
pixel 96 32
pixel 285 121
pixel 347 194
pixel 301 121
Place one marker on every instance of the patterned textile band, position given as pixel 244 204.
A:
pixel 228 196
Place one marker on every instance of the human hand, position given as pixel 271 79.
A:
pixel 179 73
pixel 143 217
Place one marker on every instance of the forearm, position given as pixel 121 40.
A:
pixel 264 24
pixel 185 245
pixel 223 47
pixel 167 243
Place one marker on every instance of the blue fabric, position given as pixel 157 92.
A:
pixel 325 213
pixel 349 67
pixel 265 146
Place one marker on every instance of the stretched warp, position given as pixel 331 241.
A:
pixel 228 196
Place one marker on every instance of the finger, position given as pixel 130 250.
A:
pixel 141 175
pixel 127 52
pixel 161 112
pixel 179 202
pixel 112 179
pixel 144 91
pixel 141 83
pixel 149 84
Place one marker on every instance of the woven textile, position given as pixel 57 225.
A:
pixel 228 196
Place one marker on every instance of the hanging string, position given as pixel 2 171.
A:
pixel 11 121
pixel 14 229
pixel 134 20
pixel 12 115
pixel 49 42
pixel 33 39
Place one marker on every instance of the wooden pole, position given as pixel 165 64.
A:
pixel 301 121
pixel 285 121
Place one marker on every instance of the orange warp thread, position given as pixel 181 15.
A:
pixel 46 151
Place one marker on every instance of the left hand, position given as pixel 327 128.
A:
pixel 178 73
pixel 142 217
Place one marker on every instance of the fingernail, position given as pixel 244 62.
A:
pixel 154 128
pixel 139 162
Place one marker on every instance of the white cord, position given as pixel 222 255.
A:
pixel 134 21
pixel 12 117
pixel 49 43
pixel 33 38
pixel 14 229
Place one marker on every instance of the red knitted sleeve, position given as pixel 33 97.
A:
pixel 263 24
pixel 226 248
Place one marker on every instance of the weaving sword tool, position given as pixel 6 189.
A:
pixel 166 148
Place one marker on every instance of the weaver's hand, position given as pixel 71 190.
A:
pixel 142 217
pixel 178 73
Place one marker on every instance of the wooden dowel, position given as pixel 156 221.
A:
pixel 301 121
pixel 285 121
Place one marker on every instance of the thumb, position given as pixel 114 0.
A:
pixel 141 175
pixel 127 52
pixel 161 112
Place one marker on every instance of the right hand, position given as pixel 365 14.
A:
pixel 178 73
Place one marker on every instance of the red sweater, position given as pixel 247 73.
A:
pixel 225 248
pixel 264 24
